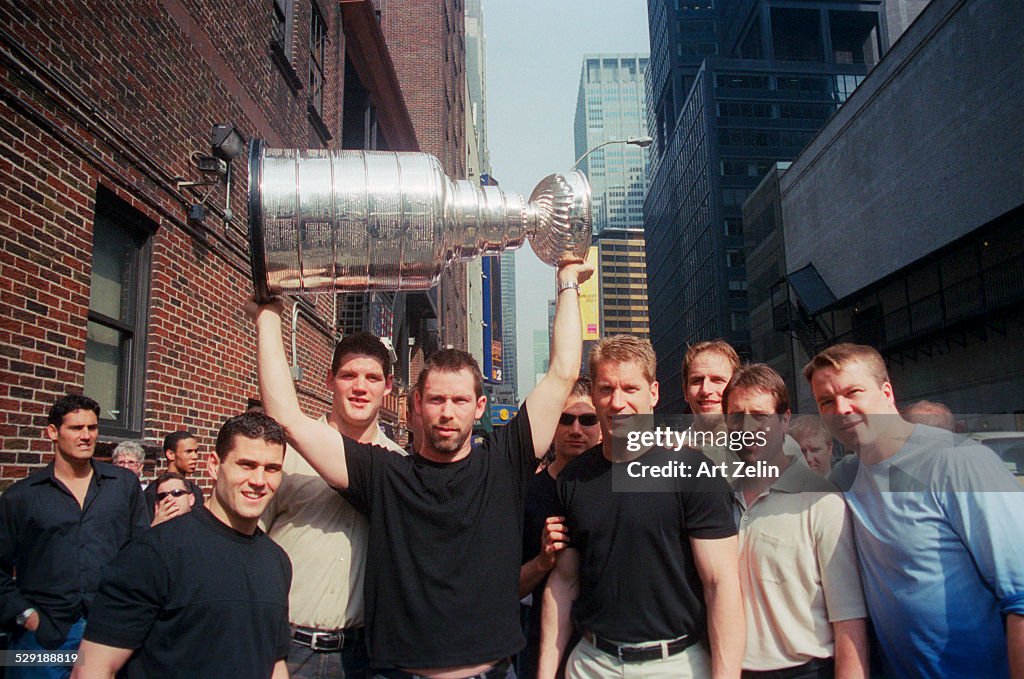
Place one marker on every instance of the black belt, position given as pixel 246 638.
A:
pixel 498 671
pixel 825 667
pixel 327 640
pixel 641 652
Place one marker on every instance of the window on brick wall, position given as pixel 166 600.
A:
pixel 317 59
pixel 281 42
pixel 283 25
pixel 118 304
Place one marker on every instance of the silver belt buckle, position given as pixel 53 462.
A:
pixel 316 636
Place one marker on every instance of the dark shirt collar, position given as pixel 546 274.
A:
pixel 100 471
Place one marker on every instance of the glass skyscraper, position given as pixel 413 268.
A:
pixel 610 105
pixel 734 86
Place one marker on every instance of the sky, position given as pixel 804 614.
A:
pixel 535 51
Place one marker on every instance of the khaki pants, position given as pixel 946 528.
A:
pixel 587 662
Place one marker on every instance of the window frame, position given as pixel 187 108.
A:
pixel 281 43
pixel 317 78
pixel 132 368
pixel 283 23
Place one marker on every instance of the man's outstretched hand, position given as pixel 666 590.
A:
pixel 253 309
pixel 575 270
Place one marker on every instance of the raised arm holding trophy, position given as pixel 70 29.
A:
pixel 441 591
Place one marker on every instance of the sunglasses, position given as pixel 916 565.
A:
pixel 586 419
pixel 177 492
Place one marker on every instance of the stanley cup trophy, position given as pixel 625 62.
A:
pixel 352 221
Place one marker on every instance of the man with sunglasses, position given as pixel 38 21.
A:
pixel 544 533
pixel 173 497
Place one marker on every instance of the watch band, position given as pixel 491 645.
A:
pixel 568 285
pixel 23 617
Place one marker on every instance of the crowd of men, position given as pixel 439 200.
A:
pixel 326 550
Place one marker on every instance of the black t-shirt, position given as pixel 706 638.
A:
pixel 638 580
pixel 196 599
pixel 541 502
pixel 442 572
pixel 150 495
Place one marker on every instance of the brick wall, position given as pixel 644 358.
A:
pixel 118 95
pixel 426 39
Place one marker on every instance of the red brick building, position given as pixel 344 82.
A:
pixel 106 285
pixel 428 45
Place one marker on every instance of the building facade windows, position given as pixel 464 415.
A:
pixel 118 310
pixel 317 59
pixel 283 26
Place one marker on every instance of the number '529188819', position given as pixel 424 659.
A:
pixel 14 658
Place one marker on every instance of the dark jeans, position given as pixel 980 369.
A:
pixel 351 662
pixel 27 642
pixel 815 669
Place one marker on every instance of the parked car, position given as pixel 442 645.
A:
pixel 1009 445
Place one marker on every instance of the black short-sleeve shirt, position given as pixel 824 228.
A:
pixel 638 579
pixel 442 572
pixel 196 599
pixel 541 502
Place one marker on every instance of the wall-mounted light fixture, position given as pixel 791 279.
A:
pixel 226 144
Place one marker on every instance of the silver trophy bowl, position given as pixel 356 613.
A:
pixel 352 221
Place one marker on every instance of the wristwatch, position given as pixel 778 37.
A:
pixel 23 617
pixel 568 285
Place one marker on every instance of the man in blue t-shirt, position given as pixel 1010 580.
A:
pixel 937 523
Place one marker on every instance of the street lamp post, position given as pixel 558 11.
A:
pixel 642 142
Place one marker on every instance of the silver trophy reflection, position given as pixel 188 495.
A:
pixel 322 221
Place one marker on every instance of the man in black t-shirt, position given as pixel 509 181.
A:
pixel 648 574
pixel 445 522
pixel 204 595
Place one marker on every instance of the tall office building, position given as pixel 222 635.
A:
pixel 504 391
pixel 427 42
pixel 733 87
pixel 904 219
pixel 508 324
pixel 541 354
pixel 476 76
pixel 622 284
pixel 610 105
